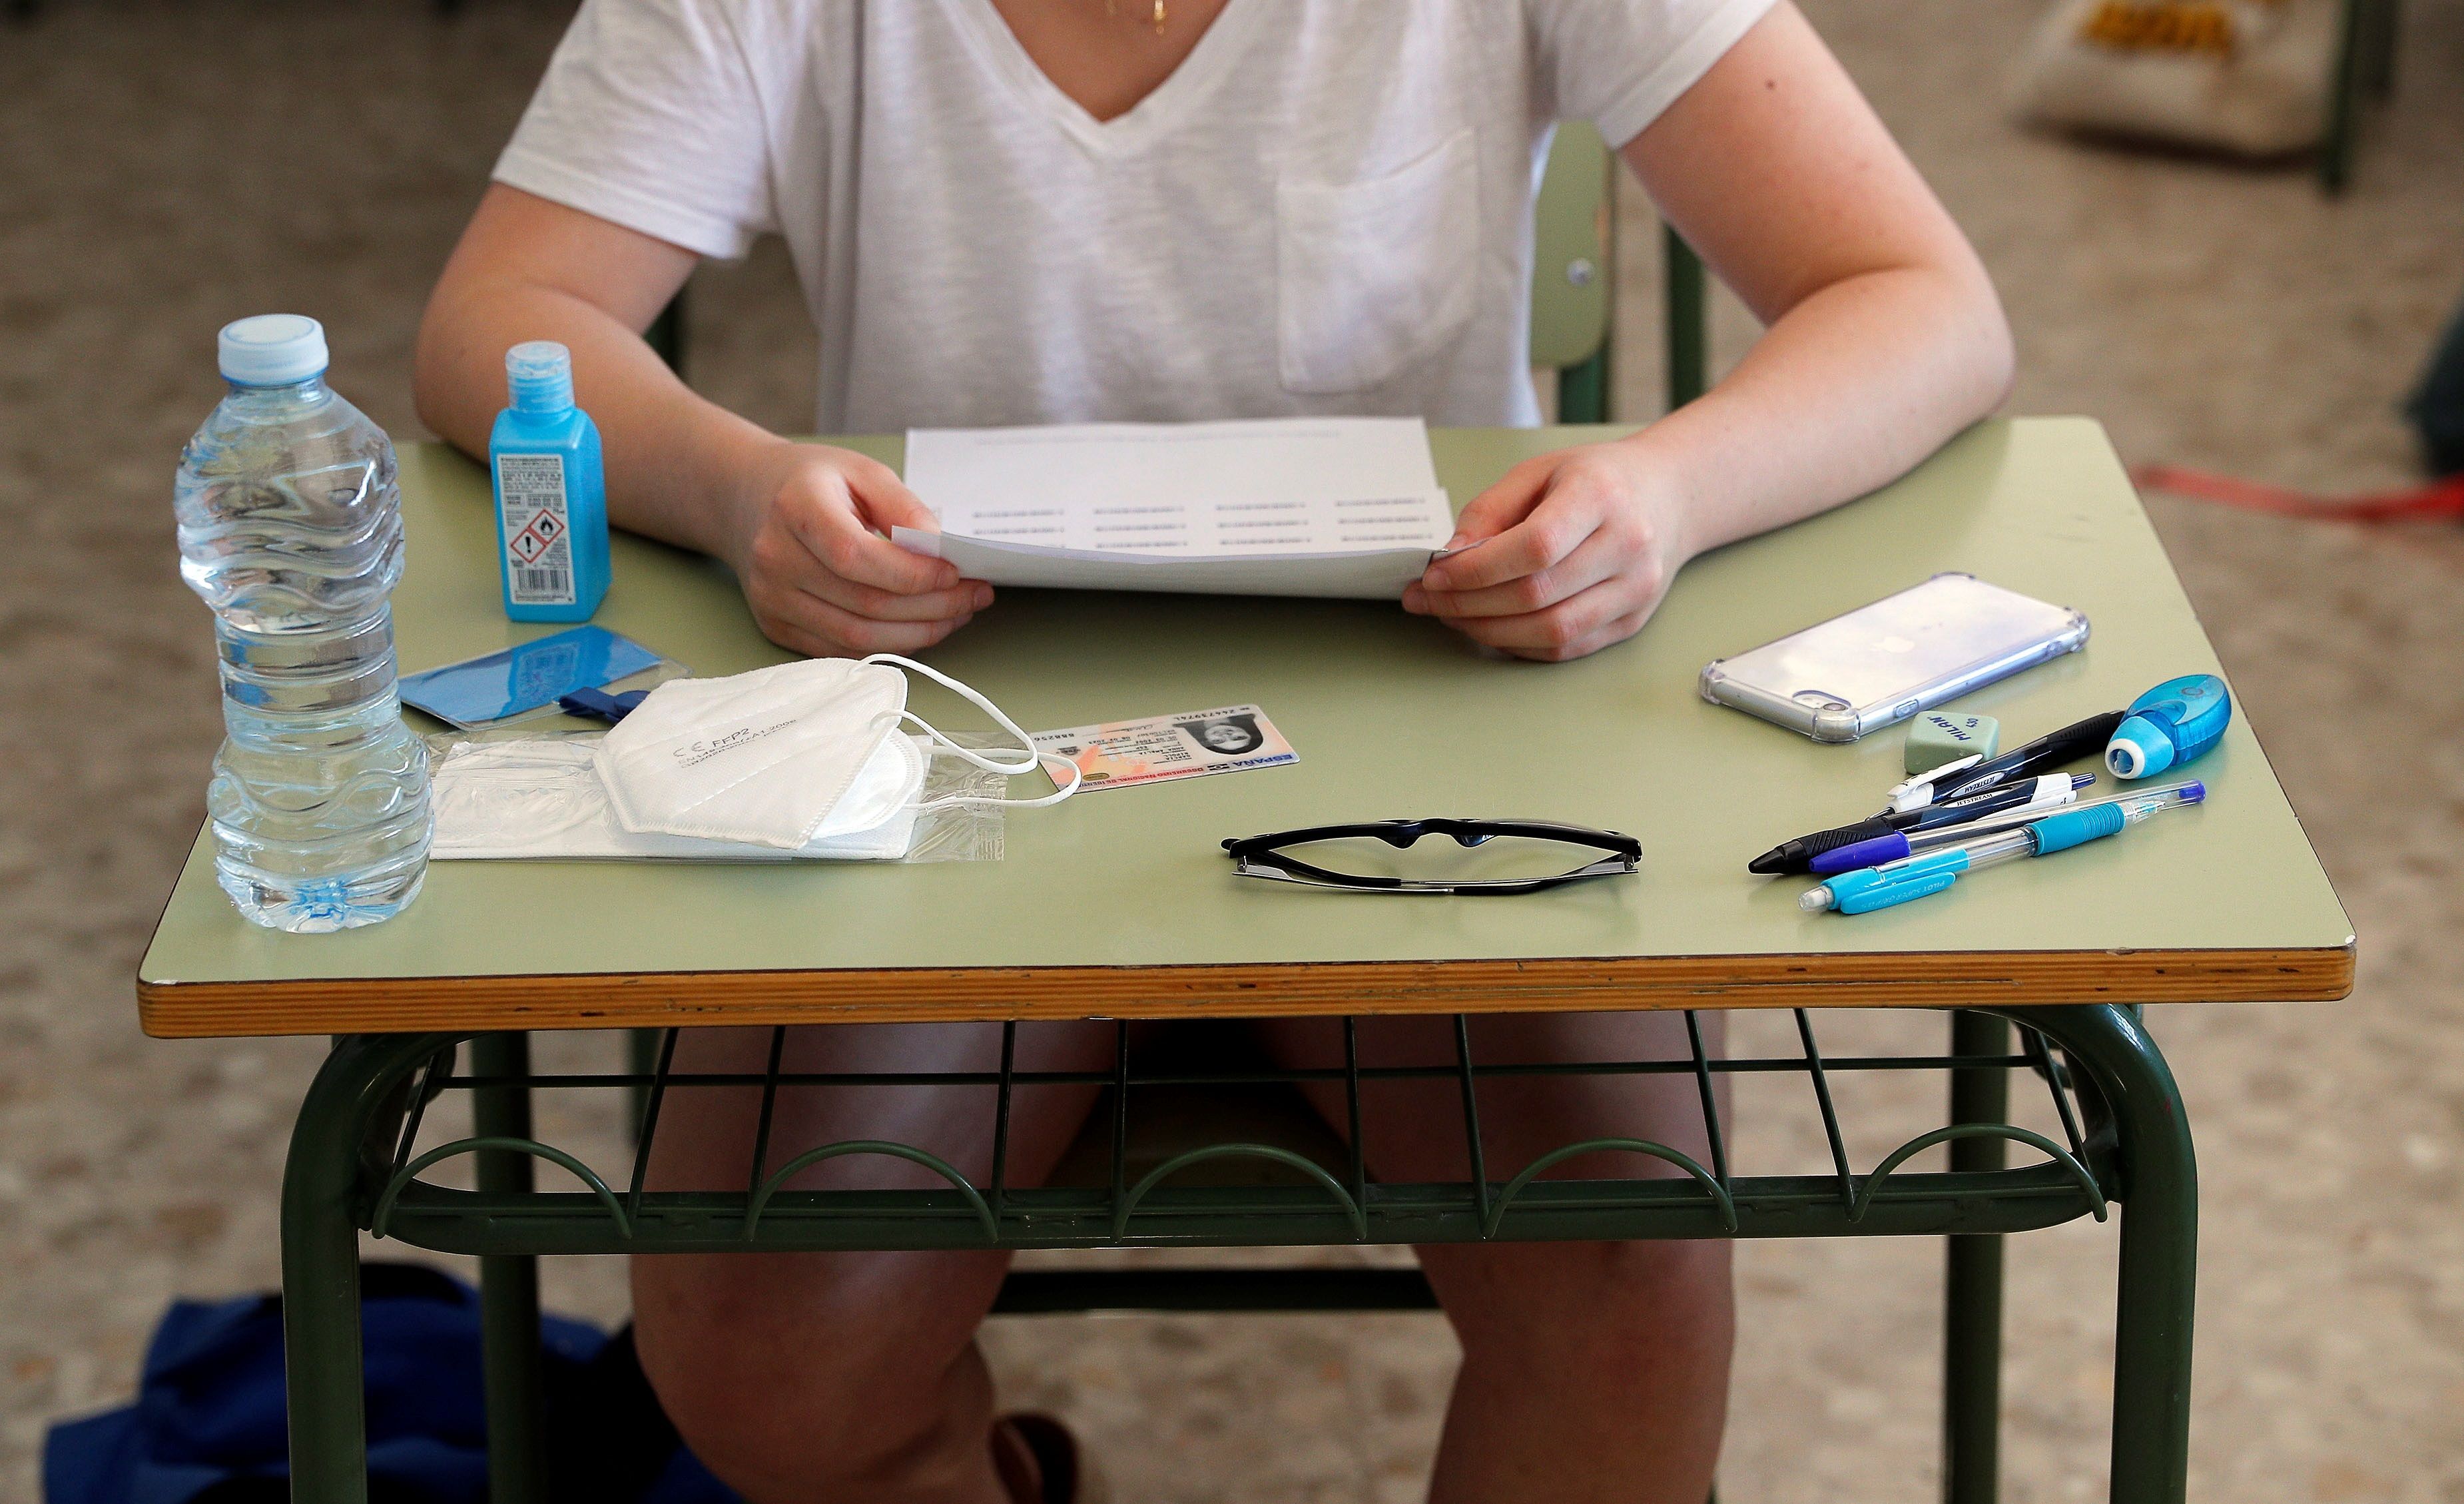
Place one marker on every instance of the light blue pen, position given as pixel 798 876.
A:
pixel 1916 876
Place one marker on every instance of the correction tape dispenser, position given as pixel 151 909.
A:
pixel 2173 723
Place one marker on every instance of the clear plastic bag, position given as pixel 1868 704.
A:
pixel 955 833
pixel 968 832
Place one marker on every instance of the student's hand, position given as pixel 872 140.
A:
pixel 1574 550
pixel 821 573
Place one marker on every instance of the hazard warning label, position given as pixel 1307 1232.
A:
pixel 531 505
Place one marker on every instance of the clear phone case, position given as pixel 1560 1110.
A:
pixel 1880 664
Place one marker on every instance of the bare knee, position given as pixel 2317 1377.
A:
pixel 804 1375
pixel 1648 1304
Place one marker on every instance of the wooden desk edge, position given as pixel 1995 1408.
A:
pixel 640 999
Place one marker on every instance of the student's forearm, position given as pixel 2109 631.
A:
pixel 678 464
pixel 802 525
pixel 1885 339
pixel 1844 393
pixel 1857 381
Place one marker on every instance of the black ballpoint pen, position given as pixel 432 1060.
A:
pixel 1797 856
pixel 2077 739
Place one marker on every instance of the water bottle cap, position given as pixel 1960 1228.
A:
pixel 538 376
pixel 272 350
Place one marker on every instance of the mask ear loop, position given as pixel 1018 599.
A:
pixel 1034 759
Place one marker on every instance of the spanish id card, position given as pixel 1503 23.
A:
pixel 1192 744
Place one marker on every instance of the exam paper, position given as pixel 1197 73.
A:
pixel 1304 506
pixel 1379 576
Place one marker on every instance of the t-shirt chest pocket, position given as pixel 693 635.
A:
pixel 1376 273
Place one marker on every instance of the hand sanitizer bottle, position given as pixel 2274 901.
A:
pixel 551 491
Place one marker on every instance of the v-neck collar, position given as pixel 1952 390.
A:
pixel 1164 107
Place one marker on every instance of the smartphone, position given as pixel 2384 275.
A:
pixel 1880 664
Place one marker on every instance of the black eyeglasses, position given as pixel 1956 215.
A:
pixel 1263 856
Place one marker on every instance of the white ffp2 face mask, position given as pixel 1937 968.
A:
pixel 551 799
pixel 759 757
pixel 767 758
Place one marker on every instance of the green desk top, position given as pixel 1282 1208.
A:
pixel 1121 903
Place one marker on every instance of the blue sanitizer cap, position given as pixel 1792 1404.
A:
pixel 538 376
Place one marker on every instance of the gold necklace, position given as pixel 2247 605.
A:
pixel 1112 7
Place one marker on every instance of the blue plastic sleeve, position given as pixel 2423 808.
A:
pixel 2069 827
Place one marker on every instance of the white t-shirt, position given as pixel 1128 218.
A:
pixel 1326 207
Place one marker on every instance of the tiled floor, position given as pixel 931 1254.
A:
pixel 166 166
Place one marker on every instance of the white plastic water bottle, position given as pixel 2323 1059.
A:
pixel 291 528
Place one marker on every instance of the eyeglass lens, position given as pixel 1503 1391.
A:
pixel 1438 858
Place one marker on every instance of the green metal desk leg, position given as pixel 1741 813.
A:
pixel 509 1302
pixel 2159 1244
pixel 328 1406
pixel 641 1059
pixel 320 1296
pixel 1971 1349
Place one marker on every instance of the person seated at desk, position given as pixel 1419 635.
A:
pixel 1015 211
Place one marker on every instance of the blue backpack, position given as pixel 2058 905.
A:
pixel 207 1423
pixel 2437 405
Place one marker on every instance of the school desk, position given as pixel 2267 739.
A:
pixel 1121 905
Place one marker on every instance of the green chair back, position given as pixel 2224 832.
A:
pixel 1573 288
pixel 1574 235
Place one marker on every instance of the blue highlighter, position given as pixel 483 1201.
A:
pixel 2174 723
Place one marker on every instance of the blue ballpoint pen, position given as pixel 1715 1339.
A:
pixel 1874 888
pixel 2047 793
